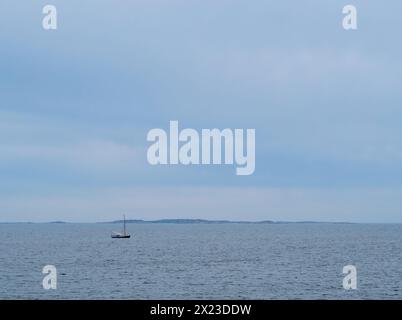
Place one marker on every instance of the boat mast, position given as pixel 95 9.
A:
pixel 124 224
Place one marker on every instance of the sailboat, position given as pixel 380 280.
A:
pixel 124 235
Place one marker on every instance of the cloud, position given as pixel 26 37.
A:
pixel 96 155
pixel 40 140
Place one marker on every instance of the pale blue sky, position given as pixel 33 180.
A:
pixel 76 105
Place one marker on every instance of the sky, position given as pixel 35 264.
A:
pixel 76 105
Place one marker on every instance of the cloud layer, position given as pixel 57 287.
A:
pixel 77 103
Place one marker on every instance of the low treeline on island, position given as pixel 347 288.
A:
pixel 188 221
pixel 204 221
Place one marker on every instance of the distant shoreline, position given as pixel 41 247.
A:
pixel 206 221
pixel 185 221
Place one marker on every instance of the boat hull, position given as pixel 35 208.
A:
pixel 121 237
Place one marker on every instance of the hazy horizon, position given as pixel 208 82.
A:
pixel 195 220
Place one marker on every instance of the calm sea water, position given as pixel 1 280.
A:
pixel 227 261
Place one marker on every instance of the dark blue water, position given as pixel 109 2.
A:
pixel 226 261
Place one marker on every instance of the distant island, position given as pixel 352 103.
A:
pixel 205 221
pixel 189 221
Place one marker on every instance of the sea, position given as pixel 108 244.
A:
pixel 201 261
